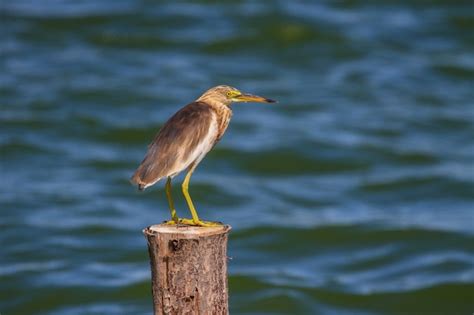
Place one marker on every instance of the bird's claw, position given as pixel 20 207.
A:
pixel 191 222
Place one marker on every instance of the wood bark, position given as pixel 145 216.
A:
pixel 188 269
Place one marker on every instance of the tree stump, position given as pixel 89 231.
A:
pixel 188 269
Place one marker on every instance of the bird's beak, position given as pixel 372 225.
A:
pixel 252 98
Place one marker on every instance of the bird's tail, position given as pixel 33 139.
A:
pixel 141 179
pixel 136 180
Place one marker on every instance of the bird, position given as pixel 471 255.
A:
pixel 184 140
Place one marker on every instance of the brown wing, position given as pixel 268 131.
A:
pixel 180 135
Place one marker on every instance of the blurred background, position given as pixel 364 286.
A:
pixel 353 195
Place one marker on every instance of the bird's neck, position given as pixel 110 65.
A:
pixel 215 103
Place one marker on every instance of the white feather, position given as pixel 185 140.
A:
pixel 203 147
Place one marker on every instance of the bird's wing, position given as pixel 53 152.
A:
pixel 177 144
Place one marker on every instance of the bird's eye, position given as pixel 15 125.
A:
pixel 229 94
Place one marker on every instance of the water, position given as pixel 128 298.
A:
pixel 353 195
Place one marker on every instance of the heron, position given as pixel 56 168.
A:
pixel 184 140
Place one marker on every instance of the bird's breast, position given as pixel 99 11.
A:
pixel 223 116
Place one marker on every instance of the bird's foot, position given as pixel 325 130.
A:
pixel 172 222
pixel 192 222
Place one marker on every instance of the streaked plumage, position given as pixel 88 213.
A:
pixel 186 138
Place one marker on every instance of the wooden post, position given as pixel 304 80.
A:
pixel 188 269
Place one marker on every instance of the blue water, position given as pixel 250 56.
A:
pixel 352 195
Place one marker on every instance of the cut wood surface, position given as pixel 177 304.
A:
pixel 188 269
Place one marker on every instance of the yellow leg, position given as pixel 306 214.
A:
pixel 195 220
pixel 174 216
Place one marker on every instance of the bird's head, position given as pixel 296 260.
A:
pixel 227 95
